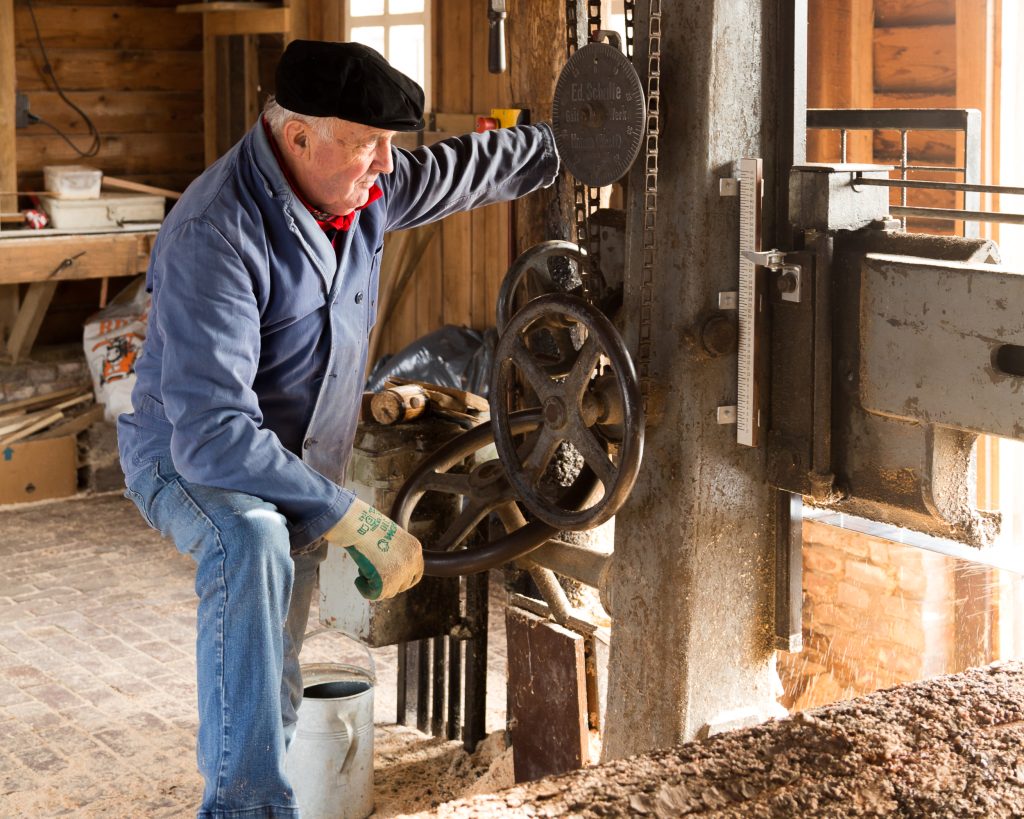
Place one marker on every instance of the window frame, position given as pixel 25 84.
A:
pixel 389 20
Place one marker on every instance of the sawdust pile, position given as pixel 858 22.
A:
pixel 947 747
pixel 413 772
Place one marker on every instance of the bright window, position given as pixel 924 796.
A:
pixel 398 29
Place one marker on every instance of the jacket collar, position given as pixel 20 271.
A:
pixel 300 220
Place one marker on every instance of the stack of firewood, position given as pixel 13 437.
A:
pixel 65 412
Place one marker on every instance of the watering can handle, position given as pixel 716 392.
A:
pixel 369 656
pixel 352 738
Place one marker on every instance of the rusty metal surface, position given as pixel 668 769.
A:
pixel 930 333
pixel 884 466
pixel 547 696
pixel 597 114
pixel 825 197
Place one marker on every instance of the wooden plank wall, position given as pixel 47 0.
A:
pixel 457 279
pixel 905 54
pixel 135 67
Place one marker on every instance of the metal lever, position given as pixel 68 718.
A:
pixel 772 259
pixel 496 36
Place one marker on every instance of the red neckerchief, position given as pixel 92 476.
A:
pixel 328 222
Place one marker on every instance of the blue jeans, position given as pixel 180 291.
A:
pixel 254 598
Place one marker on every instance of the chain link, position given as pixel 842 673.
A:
pixel 629 8
pixel 586 199
pixel 650 214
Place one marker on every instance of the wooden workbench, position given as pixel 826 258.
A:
pixel 44 258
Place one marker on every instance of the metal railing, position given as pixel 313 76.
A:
pixel 966 121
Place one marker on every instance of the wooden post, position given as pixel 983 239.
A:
pixel 537 52
pixel 978 86
pixel 209 92
pixel 30 319
pixel 8 154
pixel 840 71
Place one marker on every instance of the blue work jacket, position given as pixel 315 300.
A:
pixel 252 371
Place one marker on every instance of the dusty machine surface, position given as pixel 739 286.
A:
pixel 946 747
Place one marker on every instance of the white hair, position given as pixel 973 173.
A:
pixel 278 116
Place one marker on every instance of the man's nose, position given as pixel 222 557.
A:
pixel 382 160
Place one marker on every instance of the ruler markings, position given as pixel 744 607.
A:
pixel 748 416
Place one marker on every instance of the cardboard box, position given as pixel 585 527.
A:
pixel 39 470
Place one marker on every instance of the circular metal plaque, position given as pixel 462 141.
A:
pixel 598 114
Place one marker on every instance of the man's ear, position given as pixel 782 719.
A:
pixel 295 138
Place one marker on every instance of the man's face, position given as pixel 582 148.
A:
pixel 336 173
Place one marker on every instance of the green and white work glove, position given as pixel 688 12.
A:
pixel 389 559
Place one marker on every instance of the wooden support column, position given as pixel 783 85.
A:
pixel 8 154
pixel 30 319
pixel 537 52
pixel 209 92
pixel 8 312
pixel 978 86
pixel 840 71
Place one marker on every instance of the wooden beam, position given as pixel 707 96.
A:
pixel 257 21
pixel 8 155
pixel 9 301
pixel 209 92
pixel 978 86
pixel 30 319
pixel 35 259
pixel 840 71
pixel 915 58
pixel 250 78
pixel 547 697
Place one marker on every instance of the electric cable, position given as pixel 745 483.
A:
pixel 47 70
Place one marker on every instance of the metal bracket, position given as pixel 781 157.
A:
pixel 788 281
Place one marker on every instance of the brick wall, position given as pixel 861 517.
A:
pixel 50 369
pixel 876 614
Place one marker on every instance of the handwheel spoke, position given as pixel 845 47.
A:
pixel 579 377
pixel 464 524
pixel 528 366
pixel 594 455
pixel 450 483
pixel 544 444
pixel 510 515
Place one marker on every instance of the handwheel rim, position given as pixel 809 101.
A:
pixel 470 561
pixel 631 449
pixel 525 262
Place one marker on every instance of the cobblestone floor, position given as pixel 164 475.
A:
pixel 97 691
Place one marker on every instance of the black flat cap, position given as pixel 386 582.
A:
pixel 350 81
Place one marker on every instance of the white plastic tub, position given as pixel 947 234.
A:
pixel 72 181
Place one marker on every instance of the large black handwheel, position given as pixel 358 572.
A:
pixel 483 488
pixel 593 402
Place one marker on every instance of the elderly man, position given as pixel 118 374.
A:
pixel 264 281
